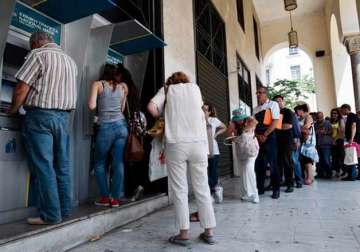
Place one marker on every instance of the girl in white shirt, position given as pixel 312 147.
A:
pixel 217 128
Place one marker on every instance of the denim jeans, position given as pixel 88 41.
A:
pixel 47 143
pixel 324 161
pixel 267 155
pixel 213 172
pixel 297 167
pixel 110 139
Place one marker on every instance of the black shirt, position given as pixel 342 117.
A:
pixel 287 115
pixel 352 118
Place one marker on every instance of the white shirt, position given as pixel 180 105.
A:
pixel 215 123
pixel 273 106
pixel 184 118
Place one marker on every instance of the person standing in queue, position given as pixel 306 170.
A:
pixel 47 90
pixel 267 140
pixel 109 97
pixel 286 144
pixel 186 150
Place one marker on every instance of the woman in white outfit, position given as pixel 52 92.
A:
pixel 186 150
pixel 247 148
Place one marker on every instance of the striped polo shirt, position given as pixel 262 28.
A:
pixel 51 75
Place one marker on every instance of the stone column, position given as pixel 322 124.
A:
pixel 352 44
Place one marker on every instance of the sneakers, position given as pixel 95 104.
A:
pixel 115 203
pixel 253 199
pixel 218 194
pixel 138 193
pixel 103 201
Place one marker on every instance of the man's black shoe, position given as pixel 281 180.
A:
pixel 268 188
pixel 275 195
pixel 261 192
pixel 348 179
pixel 298 185
pixel 358 178
pixel 290 189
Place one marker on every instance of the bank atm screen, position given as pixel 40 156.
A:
pixel 14 57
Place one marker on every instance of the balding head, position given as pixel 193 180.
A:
pixel 40 38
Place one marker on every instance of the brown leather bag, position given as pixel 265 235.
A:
pixel 134 151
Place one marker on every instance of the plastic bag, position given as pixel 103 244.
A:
pixel 157 162
pixel 351 157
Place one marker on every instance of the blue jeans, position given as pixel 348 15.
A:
pixel 110 139
pixel 47 143
pixel 213 172
pixel 297 167
pixel 325 169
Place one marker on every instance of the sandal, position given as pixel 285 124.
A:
pixel 194 217
pixel 182 242
pixel 207 239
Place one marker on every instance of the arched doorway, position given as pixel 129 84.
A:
pixel 341 67
pixel 282 63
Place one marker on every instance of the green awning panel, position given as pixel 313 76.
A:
pixel 132 37
pixel 66 11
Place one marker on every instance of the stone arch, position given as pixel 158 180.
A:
pixel 312 101
pixel 341 66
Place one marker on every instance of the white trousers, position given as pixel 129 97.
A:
pixel 189 157
pixel 248 186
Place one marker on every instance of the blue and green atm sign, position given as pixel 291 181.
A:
pixel 29 20
pixel 113 57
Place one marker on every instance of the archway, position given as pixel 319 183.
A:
pixel 341 67
pixel 291 64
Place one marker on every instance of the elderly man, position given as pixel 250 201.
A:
pixel 267 139
pixel 47 90
pixel 324 144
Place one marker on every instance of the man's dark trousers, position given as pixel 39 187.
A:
pixel 267 155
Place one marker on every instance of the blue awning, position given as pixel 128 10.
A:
pixel 66 11
pixel 132 37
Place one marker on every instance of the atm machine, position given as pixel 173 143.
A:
pixel 15 175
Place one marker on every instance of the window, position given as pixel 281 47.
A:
pixel 268 77
pixel 256 39
pixel 293 51
pixel 210 32
pixel 240 13
pixel 244 82
pixel 295 72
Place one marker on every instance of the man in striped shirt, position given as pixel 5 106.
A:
pixel 47 90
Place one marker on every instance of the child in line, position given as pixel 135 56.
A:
pixel 247 148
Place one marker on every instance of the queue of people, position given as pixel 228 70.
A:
pixel 290 145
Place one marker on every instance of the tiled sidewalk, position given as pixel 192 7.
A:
pixel 322 217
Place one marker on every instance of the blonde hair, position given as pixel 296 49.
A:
pixel 250 124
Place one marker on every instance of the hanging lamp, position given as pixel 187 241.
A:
pixel 293 36
pixel 290 5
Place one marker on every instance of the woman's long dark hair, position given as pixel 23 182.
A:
pixel 133 96
pixel 212 109
pixel 108 72
pixel 338 115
